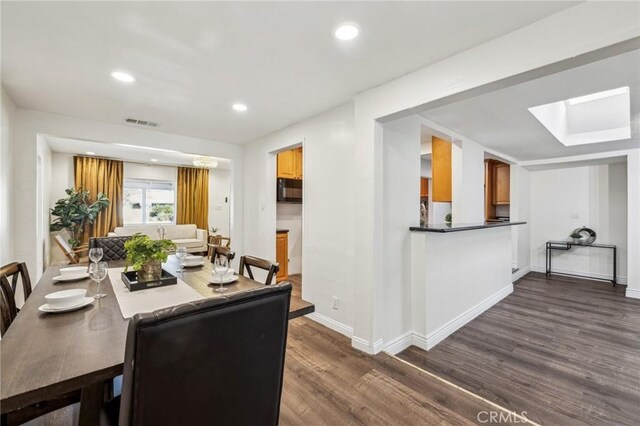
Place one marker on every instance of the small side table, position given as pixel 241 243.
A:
pixel 568 245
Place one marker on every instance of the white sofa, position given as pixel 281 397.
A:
pixel 188 236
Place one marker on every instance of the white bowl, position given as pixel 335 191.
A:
pixel 74 270
pixel 66 298
pixel 228 275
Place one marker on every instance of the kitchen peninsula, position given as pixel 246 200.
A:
pixel 446 295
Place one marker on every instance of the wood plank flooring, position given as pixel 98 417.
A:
pixel 565 350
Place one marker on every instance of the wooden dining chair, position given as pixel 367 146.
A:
pixel 8 310
pixel 221 379
pixel 217 240
pixel 272 268
pixel 71 253
pixel 217 251
pixel 14 272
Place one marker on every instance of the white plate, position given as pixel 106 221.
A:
pixel 48 309
pixel 71 277
pixel 193 264
pixel 231 279
pixel 73 270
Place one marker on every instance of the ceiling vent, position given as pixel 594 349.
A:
pixel 141 122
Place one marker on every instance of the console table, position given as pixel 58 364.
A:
pixel 568 245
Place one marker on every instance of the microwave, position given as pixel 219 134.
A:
pixel 289 190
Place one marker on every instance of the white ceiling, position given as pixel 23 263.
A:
pixel 192 60
pixel 501 121
pixel 131 154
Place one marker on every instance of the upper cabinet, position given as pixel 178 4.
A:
pixel 424 187
pixel 501 184
pixel 290 164
pixel 441 170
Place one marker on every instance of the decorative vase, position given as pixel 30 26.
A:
pixel 150 271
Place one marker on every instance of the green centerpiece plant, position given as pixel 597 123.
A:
pixel 73 212
pixel 145 256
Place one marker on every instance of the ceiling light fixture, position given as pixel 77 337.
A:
pixel 239 107
pixel 203 162
pixel 123 77
pixel 346 31
pixel 91 153
pixel 599 95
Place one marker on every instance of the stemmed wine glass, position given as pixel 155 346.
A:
pixel 181 253
pixel 98 272
pixel 220 267
pixel 95 254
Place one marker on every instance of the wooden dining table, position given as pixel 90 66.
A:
pixel 43 356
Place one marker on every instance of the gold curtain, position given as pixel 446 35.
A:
pixel 101 175
pixel 193 197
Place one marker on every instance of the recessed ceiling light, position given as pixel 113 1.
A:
pixel 91 153
pixel 239 107
pixel 123 77
pixel 154 160
pixel 346 31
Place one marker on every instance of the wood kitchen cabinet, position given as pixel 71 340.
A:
pixel 290 164
pixel 282 255
pixel 424 187
pixel 501 184
pixel 441 170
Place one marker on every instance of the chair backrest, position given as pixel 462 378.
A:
pixel 66 249
pixel 112 247
pixel 214 361
pixel 216 251
pixel 249 261
pixel 17 271
pixel 8 310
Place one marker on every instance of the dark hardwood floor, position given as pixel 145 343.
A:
pixel 565 350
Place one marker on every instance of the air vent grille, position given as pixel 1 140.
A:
pixel 141 122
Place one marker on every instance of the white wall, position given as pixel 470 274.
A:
pixel 328 229
pixel 219 196
pixel 401 168
pixel 520 210
pixel 425 168
pixel 8 117
pixel 150 172
pixel 31 124
pixel 289 216
pixel 565 199
pixel 467 182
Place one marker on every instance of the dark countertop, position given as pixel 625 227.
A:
pixel 456 227
pixel 280 231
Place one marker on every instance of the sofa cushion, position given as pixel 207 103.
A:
pixel 175 232
pixel 149 230
pixel 171 232
pixel 188 242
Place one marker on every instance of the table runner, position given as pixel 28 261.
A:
pixel 149 300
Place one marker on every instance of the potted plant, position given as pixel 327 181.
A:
pixel 145 256
pixel 447 219
pixel 73 212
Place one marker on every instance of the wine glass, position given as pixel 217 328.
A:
pixel 98 272
pixel 181 253
pixel 220 267
pixel 95 254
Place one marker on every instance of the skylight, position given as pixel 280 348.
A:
pixel 596 117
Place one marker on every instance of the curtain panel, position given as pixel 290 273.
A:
pixel 193 197
pixel 101 175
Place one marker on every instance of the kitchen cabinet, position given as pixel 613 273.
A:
pixel 441 170
pixel 282 254
pixel 290 164
pixel 501 184
pixel 424 187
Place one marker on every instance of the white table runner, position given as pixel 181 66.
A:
pixel 149 300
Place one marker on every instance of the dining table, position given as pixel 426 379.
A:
pixel 44 355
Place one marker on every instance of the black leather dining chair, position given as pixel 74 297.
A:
pixel 215 361
pixel 112 247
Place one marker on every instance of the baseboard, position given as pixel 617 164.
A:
pixel 594 275
pixel 364 345
pixel 452 326
pixel 632 293
pixel 399 344
pixel 331 323
pixel 520 273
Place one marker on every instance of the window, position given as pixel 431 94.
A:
pixel 148 202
